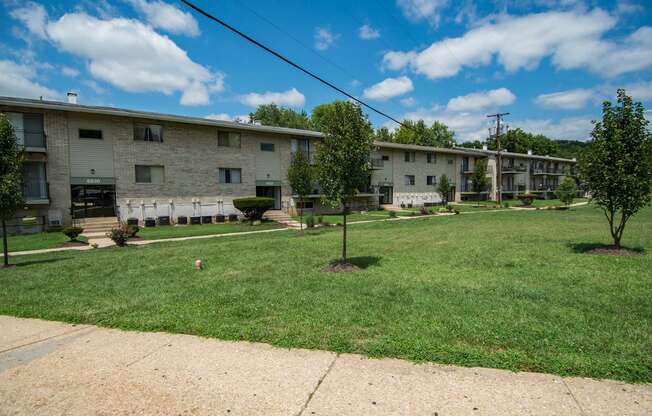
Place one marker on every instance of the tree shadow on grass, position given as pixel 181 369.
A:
pixel 596 247
pixel 364 262
pixel 42 261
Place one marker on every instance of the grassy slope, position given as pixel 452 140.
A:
pixel 503 289
pixel 36 241
pixel 156 233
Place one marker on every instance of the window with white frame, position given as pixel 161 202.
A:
pixel 431 180
pixel 148 132
pixel 410 156
pixel 432 157
pixel 150 174
pixel 228 139
pixel 409 180
pixel 230 175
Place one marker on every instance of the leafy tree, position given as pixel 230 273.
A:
pixel 300 178
pixel 11 177
pixel 479 179
pixel 616 169
pixel 384 134
pixel 273 115
pixel 444 188
pixel 570 148
pixel 519 141
pixel 417 132
pixel 475 144
pixel 566 190
pixel 342 158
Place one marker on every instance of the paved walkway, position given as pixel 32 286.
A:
pixel 51 368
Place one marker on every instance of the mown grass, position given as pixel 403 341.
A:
pixel 36 241
pixel 173 231
pixel 512 290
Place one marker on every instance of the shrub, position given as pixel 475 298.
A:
pixel 253 208
pixel 457 211
pixel 566 191
pixel 506 205
pixel 132 230
pixel 449 208
pixel 310 221
pixel 527 199
pixel 423 211
pixel 72 232
pixel 392 214
pixel 320 219
pixel 119 235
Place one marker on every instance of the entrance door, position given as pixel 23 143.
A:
pixel 270 192
pixel 386 195
pixel 90 201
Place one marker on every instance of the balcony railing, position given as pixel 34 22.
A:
pixel 514 168
pixel 514 188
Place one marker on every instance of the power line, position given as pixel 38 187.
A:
pixel 283 58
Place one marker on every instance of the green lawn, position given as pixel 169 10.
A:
pixel 159 232
pixel 354 216
pixel 37 241
pixel 509 289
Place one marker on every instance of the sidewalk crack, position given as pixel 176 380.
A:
pixel 579 406
pixel 328 370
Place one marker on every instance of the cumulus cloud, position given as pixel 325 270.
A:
pixel 291 97
pixel 133 56
pixel 165 16
pixel 33 16
pixel 324 38
pixel 367 32
pixel 573 39
pixel 408 102
pixel 69 72
pixel 571 128
pixel 243 118
pixel 567 100
pixel 20 80
pixel 389 88
pixel 481 100
pixel 422 10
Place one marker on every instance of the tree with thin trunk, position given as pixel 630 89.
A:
pixel 479 179
pixel 444 188
pixel 616 169
pixel 566 191
pixel 342 160
pixel 11 178
pixel 300 179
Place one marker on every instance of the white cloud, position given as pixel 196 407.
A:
pixel 628 7
pixel 422 9
pixel 572 128
pixel 324 38
pixel 291 97
pixel 567 100
pixel 33 16
pixel 69 72
pixel 132 56
pixel 573 39
pixel 641 91
pixel 480 100
pixel 367 32
pixel 243 118
pixel 408 102
pixel 355 83
pixel 92 84
pixel 19 80
pixel 167 17
pixel 389 88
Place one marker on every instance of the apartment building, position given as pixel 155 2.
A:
pixel 87 161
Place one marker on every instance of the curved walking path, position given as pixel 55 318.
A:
pixel 53 368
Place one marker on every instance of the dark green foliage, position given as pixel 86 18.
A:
pixel 300 177
pixel 444 188
pixel 119 235
pixel 392 214
pixel 132 230
pixel 11 177
pixel 273 115
pixel 253 208
pixel 72 232
pixel 616 169
pixel 310 221
pixel 479 179
pixel 418 132
pixel 527 199
pixel 566 191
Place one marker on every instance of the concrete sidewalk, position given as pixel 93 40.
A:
pixel 51 368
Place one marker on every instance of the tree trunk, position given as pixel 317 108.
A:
pixel 301 215
pixel 344 236
pixel 4 243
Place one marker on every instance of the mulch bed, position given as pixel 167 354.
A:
pixel 341 268
pixel 613 251
pixel 73 244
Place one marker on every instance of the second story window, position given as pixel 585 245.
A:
pixel 385 158
pixel 432 157
pixel 28 128
pixel 228 139
pixel 267 147
pixel 92 134
pixel 300 145
pixel 409 180
pixel 230 175
pixel 148 132
pixel 150 174
pixel 410 156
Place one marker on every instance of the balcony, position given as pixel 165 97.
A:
pixel 511 169
pixel 514 188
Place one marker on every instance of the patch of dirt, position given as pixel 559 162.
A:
pixel 341 268
pixel 613 251
pixel 73 244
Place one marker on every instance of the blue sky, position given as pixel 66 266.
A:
pixel 550 63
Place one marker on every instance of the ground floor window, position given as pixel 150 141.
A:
pixel 150 174
pixel 409 180
pixel 230 175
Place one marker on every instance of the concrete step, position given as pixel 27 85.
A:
pixel 95 234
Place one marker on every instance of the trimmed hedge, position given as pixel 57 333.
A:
pixel 253 208
pixel 72 232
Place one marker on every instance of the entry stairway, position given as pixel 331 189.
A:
pixel 97 227
pixel 281 217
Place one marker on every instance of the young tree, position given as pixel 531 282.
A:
pixel 616 169
pixel 300 178
pixel 479 179
pixel 11 177
pixel 444 188
pixel 273 115
pixel 566 190
pixel 342 159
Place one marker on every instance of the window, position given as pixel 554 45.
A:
pixel 28 128
pixel 230 175
pixel 432 157
pixel 228 139
pixel 148 132
pixel 450 161
pixel 431 180
pixel 385 157
pixel 267 147
pixel 90 134
pixel 410 156
pixel 409 180
pixel 305 205
pixel 150 174
pixel 302 145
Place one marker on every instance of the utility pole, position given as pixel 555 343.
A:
pixel 499 162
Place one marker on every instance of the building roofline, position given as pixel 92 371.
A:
pixel 113 111
pixel 453 150
pixel 524 155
